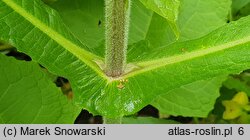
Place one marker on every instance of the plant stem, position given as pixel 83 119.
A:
pixel 112 120
pixel 117 22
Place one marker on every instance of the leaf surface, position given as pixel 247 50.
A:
pixel 196 19
pixel 28 96
pixel 199 17
pixel 168 9
pixel 38 31
pixel 190 99
pixel 196 99
pixel 85 19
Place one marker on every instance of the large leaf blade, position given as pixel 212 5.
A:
pixel 207 57
pixel 164 69
pixel 28 96
pixel 37 30
pixel 49 27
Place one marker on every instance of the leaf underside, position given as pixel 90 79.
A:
pixel 37 30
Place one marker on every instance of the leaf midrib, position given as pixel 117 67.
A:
pixel 163 62
pixel 85 56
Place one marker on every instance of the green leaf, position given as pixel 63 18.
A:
pixel 237 6
pixel 28 96
pixel 150 31
pixel 191 26
pixel 38 31
pixel 157 35
pixel 82 18
pixel 239 84
pixel 85 19
pixel 179 75
pixel 195 99
pixel 146 120
pixel 179 101
pixel 199 17
pixel 193 18
pixel 139 27
pixel 168 9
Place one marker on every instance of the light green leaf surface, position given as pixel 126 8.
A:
pixel 169 9
pixel 28 96
pixel 146 120
pixel 199 17
pixel 183 100
pixel 37 30
pixel 85 19
pixel 192 100
pixel 196 19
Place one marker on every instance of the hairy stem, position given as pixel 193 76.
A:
pixel 112 120
pixel 117 22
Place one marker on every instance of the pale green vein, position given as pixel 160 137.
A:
pixel 163 62
pixel 80 53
